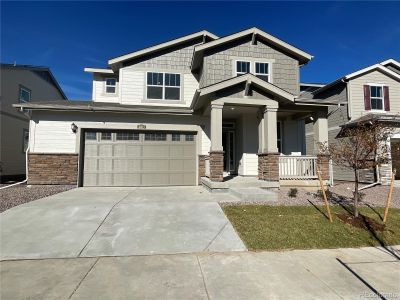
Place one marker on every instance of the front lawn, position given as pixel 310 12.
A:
pixel 305 227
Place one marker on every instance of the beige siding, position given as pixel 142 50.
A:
pixel 205 141
pixel 132 86
pixel 374 77
pixel 190 85
pixel 99 88
pixel 248 159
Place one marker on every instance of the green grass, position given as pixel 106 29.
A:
pixel 304 227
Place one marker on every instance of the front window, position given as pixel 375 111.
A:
pixel 24 94
pixel 155 136
pixel 111 85
pixel 376 97
pixel 163 86
pixel 262 71
pixel 242 67
pixel 106 136
pixel 127 136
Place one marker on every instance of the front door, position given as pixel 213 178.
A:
pixel 228 144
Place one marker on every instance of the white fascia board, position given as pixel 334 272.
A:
pixel 98 70
pixel 373 67
pixel 161 46
pixel 390 61
pixel 254 31
pixel 251 79
pixel 312 84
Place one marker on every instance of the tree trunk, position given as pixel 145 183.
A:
pixel 356 193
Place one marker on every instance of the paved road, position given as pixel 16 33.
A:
pixel 306 274
pixel 91 222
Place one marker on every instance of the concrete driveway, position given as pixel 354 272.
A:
pixel 88 222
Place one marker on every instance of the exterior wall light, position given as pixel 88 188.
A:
pixel 74 128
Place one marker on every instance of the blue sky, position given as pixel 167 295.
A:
pixel 68 36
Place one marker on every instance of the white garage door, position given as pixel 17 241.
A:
pixel 134 158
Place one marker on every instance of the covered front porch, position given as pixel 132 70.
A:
pixel 262 138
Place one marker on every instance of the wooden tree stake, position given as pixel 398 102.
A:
pixel 325 198
pixel 389 198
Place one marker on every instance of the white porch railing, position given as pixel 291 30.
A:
pixel 207 166
pixel 297 167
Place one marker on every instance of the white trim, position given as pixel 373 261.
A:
pixel 269 74
pixel 390 61
pixel 161 46
pixel 235 72
pixel 259 33
pixel 163 86
pixel 379 98
pixel 98 70
pixel 114 86
pixel 312 84
pixel 370 68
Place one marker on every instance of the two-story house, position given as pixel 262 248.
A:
pixel 194 109
pixel 372 93
pixel 20 84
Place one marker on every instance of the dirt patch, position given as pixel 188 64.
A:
pixel 361 221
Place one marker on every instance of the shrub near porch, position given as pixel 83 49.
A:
pixel 304 227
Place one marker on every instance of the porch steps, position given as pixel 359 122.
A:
pixel 254 194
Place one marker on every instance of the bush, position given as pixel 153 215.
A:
pixel 320 195
pixel 292 192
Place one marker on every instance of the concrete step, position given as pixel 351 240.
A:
pixel 251 194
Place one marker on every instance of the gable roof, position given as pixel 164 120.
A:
pixel 40 69
pixel 391 61
pixel 350 76
pixel 162 46
pixel 249 79
pixel 301 55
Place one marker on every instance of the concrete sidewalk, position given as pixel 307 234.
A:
pixel 300 274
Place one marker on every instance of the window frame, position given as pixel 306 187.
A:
pixel 261 74
pixel 21 87
pixel 164 86
pixel 106 85
pixel 382 97
pixel 246 61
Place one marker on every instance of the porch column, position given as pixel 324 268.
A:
pixel 268 156
pixel 216 151
pixel 320 128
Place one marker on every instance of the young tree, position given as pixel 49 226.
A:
pixel 361 146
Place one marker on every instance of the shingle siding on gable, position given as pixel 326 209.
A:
pixel 175 59
pixel 218 66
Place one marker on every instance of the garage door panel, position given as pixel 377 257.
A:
pixel 151 179
pixel 105 165
pixel 118 162
pixel 127 150
pixel 127 165
pixel 155 165
pixel 105 150
pixel 127 179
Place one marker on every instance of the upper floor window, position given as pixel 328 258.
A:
pixel 376 97
pixel 163 86
pixel 262 70
pixel 111 84
pixel 242 67
pixel 24 94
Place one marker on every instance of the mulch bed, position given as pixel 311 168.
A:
pixel 361 221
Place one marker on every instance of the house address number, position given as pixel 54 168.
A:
pixel 141 126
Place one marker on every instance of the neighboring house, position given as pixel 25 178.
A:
pixel 180 112
pixel 20 84
pixel 372 93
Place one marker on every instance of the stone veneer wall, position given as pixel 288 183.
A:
pixel 323 166
pixel 216 165
pixel 52 168
pixel 268 166
pixel 202 167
